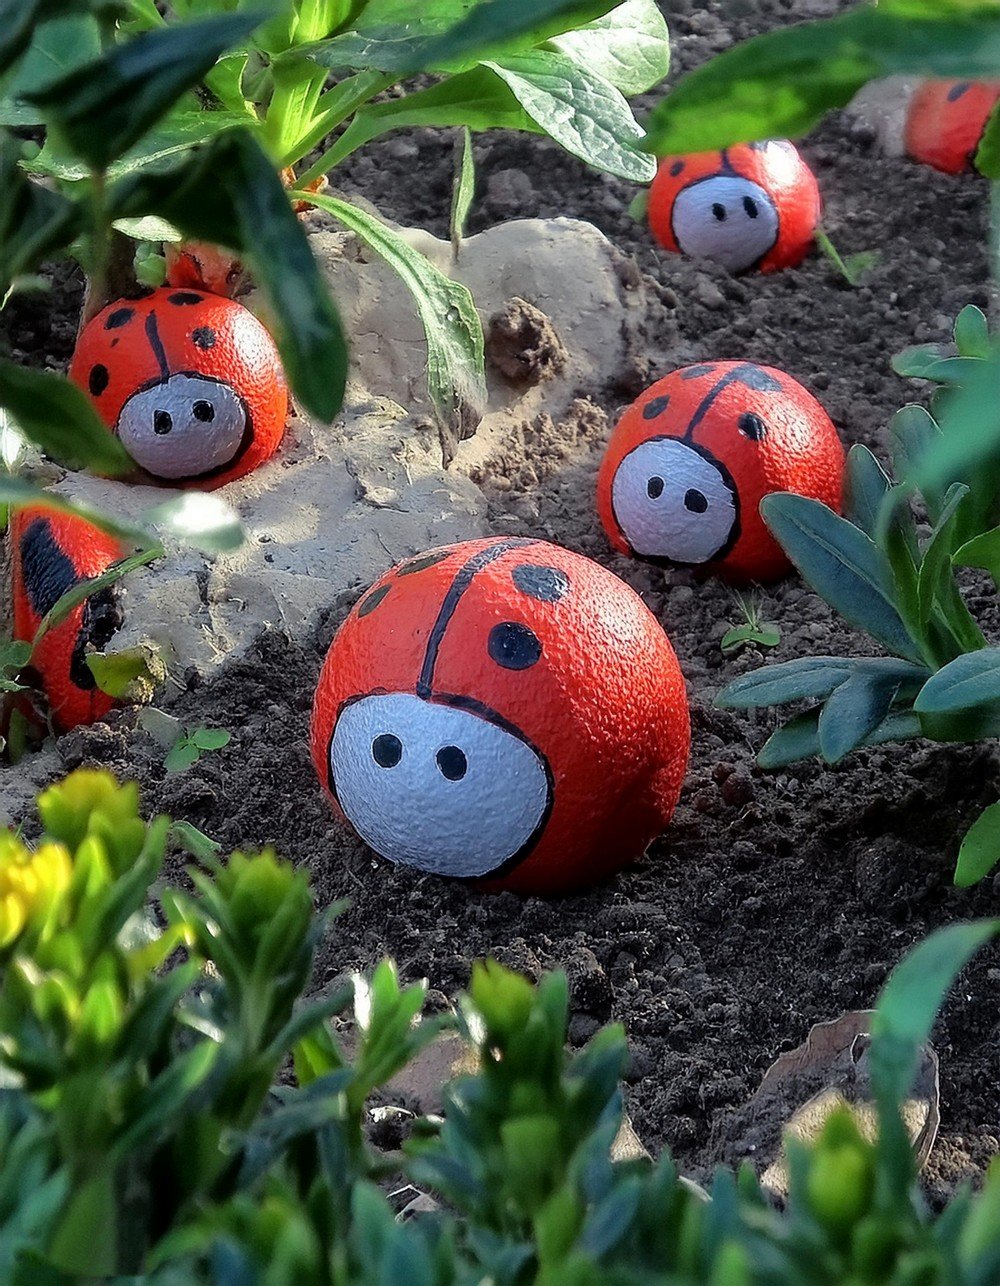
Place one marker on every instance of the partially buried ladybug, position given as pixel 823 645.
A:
pixel 504 711
pixel 756 205
pixel 691 459
pixel 946 120
pixel 191 383
pixel 50 554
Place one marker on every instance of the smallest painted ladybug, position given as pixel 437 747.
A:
pixel 50 554
pixel 191 383
pixel 691 459
pixel 946 121
pixel 756 205
pixel 199 265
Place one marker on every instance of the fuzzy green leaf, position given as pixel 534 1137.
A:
pixel 799 738
pixel 854 711
pixel 867 485
pixel 806 678
pixel 463 189
pixel 968 681
pixel 630 46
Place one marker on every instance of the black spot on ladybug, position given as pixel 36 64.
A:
pixel 204 336
pixel 752 426
pixel 452 762
pixel 719 210
pixel 421 564
pixel 98 380
pixel 695 502
pixel 514 646
pixel 102 619
pixel 696 372
pixel 387 750
pixel 760 145
pixel 46 570
pixel 655 407
pixel 546 584
pixel 182 297
pixel 958 91
pixel 756 378
pixel 654 488
pixel 120 317
pixel 203 411
pixel 162 422
pixel 369 603
pixel 676 168
pixel 750 205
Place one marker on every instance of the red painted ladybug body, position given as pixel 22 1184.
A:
pixel 504 711
pixel 198 265
pixel 756 205
pixel 191 383
pixel 50 553
pixel 691 459
pixel 946 120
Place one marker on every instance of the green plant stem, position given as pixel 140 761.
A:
pixel 82 591
pixel 100 234
pixel 336 106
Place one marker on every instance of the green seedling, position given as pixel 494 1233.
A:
pixel 853 268
pixel 753 632
pixel 183 747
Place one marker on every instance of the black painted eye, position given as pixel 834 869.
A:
pixel 162 422
pixel 677 168
pixel 204 411
pixel 654 488
pixel 719 210
pixel 182 297
pixel 119 318
pixel 372 601
pixel 204 336
pixel 752 426
pixel 546 584
pixel 387 750
pixel 514 646
pixel 695 502
pixel 654 408
pixel 98 380
pixel 750 205
pixel 452 762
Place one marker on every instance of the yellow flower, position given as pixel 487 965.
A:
pixel 30 883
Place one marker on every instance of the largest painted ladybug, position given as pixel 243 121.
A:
pixel 191 383
pixel 756 205
pixel 691 459
pixel 946 120
pixel 50 554
pixel 503 711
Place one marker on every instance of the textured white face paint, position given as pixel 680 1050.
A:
pixel 436 787
pixel 727 219
pixel 186 426
pixel 672 503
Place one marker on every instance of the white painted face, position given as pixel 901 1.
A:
pixel 434 786
pixel 727 219
pixel 184 427
pixel 671 502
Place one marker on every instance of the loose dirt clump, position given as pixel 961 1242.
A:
pixel 522 344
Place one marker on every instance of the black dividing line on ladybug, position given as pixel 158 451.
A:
pixel 463 579
pixel 156 344
pixel 748 374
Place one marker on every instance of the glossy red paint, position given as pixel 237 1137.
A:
pixel 503 711
pixel 946 120
pixel 691 459
pixel 755 205
pixel 191 383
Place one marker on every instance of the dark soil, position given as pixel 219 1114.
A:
pixel 775 900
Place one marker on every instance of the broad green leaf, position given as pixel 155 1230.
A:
pixel 93 1206
pixel 122 674
pixel 20 21
pixel 799 738
pixel 211 738
pixel 33 220
pixel 914 362
pixel 842 565
pixel 910 1001
pixel 972 332
pixel 970 680
pixel 854 711
pixel 867 486
pixel 630 46
pixel 104 108
pixel 18 493
pixel 920 363
pixel 455 347
pixel 807 678
pixel 57 48
pixel 980 850
pixel 463 188
pixel 249 212
pixel 181 756
pixel 579 110
pixel 982 551
pixel 969 421
pixel 765 636
pixel 60 419
pixel 781 84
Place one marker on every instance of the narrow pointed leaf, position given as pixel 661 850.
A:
pixel 853 712
pixel 867 485
pixel 970 680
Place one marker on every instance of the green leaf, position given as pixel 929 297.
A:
pixel 969 421
pixel 250 212
pixel 842 565
pixel 968 681
pixel 211 738
pixel 60 419
pixel 56 49
pixel 982 551
pixel 854 711
pixel 33 221
pixel 82 590
pixel 630 46
pixel 455 345
pixel 102 109
pixel 195 842
pixel 157 1107
pixel 200 520
pixel 781 84
pixel 765 636
pixel 988 152
pixel 852 268
pixel 85 1243
pixel 972 332
pixel 936 563
pixel 118 673
pixel 867 487
pixel 181 756
pixel 19 23
pixel 911 999
pixel 806 678
pixel 579 110
pixel 463 188
pixel 980 850
pixel 916 361
pixel 799 738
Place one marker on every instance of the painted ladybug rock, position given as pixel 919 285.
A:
pixel 946 120
pixel 503 711
pixel 691 459
pixel 756 205
pixel 50 553
pixel 190 382
pixel 198 265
